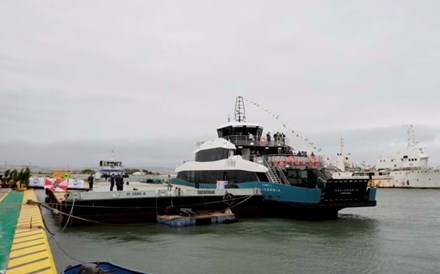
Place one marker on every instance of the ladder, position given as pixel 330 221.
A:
pixel 283 176
pixel 271 173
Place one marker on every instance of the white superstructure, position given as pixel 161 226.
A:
pixel 408 168
pixel 232 162
pixel 412 157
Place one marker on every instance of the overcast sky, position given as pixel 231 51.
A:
pixel 151 78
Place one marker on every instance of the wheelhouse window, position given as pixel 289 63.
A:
pixel 212 176
pixel 214 154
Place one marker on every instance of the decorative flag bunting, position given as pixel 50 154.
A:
pixel 294 133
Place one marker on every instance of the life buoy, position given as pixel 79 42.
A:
pixel 228 199
pixel 281 163
pixel 263 141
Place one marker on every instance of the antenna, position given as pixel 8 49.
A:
pixel 239 114
pixel 411 142
pixel 342 146
pixel 113 154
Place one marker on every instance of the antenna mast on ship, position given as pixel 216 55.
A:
pixel 113 154
pixel 411 142
pixel 239 114
pixel 342 146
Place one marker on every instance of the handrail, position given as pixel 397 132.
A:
pixel 272 176
pixel 253 141
pixel 321 184
pixel 283 176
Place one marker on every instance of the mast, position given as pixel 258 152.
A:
pixel 113 155
pixel 410 132
pixel 239 113
pixel 342 146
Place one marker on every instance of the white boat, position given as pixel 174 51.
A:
pixel 408 168
pixel 293 183
pixel 108 167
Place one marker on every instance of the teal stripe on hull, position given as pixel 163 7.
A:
pixel 271 191
pixel 286 193
pixel 177 181
pixel 372 195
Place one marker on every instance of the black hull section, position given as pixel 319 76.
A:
pixel 147 209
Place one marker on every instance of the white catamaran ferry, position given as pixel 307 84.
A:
pixel 108 167
pixel 408 168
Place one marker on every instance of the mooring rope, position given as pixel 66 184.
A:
pixel 247 198
pixel 70 215
pixel 56 211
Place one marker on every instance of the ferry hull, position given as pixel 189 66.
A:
pixel 429 178
pixel 311 212
pixel 424 179
pixel 308 203
pixel 146 209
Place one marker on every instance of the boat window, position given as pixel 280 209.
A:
pixel 262 177
pixel 224 131
pixel 296 176
pixel 212 176
pixel 214 154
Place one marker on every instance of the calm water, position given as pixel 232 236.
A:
pixel 400 235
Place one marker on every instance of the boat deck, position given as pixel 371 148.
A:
pixel 101 187
pixel 141 190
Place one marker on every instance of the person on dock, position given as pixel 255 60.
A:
pixel 169 185
pixel 112 181
pixel 90 180
pixel 119 182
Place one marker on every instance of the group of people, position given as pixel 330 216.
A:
pixel 118 180
pixel 303 154
pixel 277 137
pixel 114 180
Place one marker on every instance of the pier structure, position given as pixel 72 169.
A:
pixel 28 248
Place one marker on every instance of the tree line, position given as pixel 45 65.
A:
pixel 11 178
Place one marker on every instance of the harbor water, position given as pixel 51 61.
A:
pixel 400 235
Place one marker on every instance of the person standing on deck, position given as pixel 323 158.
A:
pixel 169 185
pixel 90 180
pixel 112 181
pixel 119 182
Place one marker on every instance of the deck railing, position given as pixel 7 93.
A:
pixel 286 160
